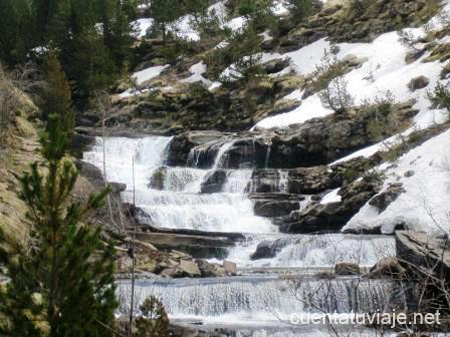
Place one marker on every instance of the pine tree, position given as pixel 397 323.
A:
pixel 153 321
pixel 56 94
pixel 165 12
pixel 301 9
pixel 61 282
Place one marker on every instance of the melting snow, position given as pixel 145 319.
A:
pixel 197 70
pixel 331 197
pixel 149 73
pixel 425 174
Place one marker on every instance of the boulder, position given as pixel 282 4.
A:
pixel 346 268
pixel 188 268
pixel 276 65
pixel 388 266
pixel 384 199
pixel 269 249
pixel 214 182
pixel 418 83
pixel 210 269
pixel 157 179
pixel 419 251
pixel 168 272
pixel 230 268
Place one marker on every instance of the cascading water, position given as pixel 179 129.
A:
pixel 313 251
pixel 178 204
pixel 268 298
pixel 170 197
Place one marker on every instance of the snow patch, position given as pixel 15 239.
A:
pixel 425 175
pixel 331 197
pixel 149 73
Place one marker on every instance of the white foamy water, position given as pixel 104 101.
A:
pixel 256 298
pixel 314 251
pixel 180 204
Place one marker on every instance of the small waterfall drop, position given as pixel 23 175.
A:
pixel 177 202
pixel 267 298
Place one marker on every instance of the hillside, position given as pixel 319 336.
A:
pixel 268 159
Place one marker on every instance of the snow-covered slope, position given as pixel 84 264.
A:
pixel 425 204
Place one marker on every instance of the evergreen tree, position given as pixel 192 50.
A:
pixel 61 284
pixel 165 12
pixel 153 321
pixel 57 95
pixel 301 9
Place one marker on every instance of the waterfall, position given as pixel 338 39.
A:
pixel 169 197
pixel 266 161
pixel 148 153
pixel 238 181
pixel 266 298
pixel 178 204
pixel 283 181
pixel 222 155
pixel 314 251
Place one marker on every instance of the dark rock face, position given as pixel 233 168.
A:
pixel 157 179
pixel 316 142
pixel 269 249
pixel 426 260
pixel 103 216
pixel 214 182
pixel 331 216
pixel 418 83
pixel 181 146
pixel 360 23
pixel 275 208
pixel 383 200
pixel 313 180
pixel 80 143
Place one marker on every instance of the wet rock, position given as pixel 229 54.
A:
pixel 384 199
pixel 312 180
pixel 80 143
pixel 346 268
pixel 230 268
pixel 388 266
pixel 157 179
pixel 275 208
pixel 214 182
pixel 418 83
pixel 210 269
pixel 118 187
pixel 330 216
pixel 269 249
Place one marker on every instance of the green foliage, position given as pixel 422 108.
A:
pixel 243 52
pixel 91 36
pixel 61 281
pixel 153 321
pixel 56 95
pixel 301 9
pixel 165 12
pixel 440 97
pixel 330 80
pixel 358 7
pixel 373 176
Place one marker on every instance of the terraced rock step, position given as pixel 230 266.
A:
pixel 266 298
